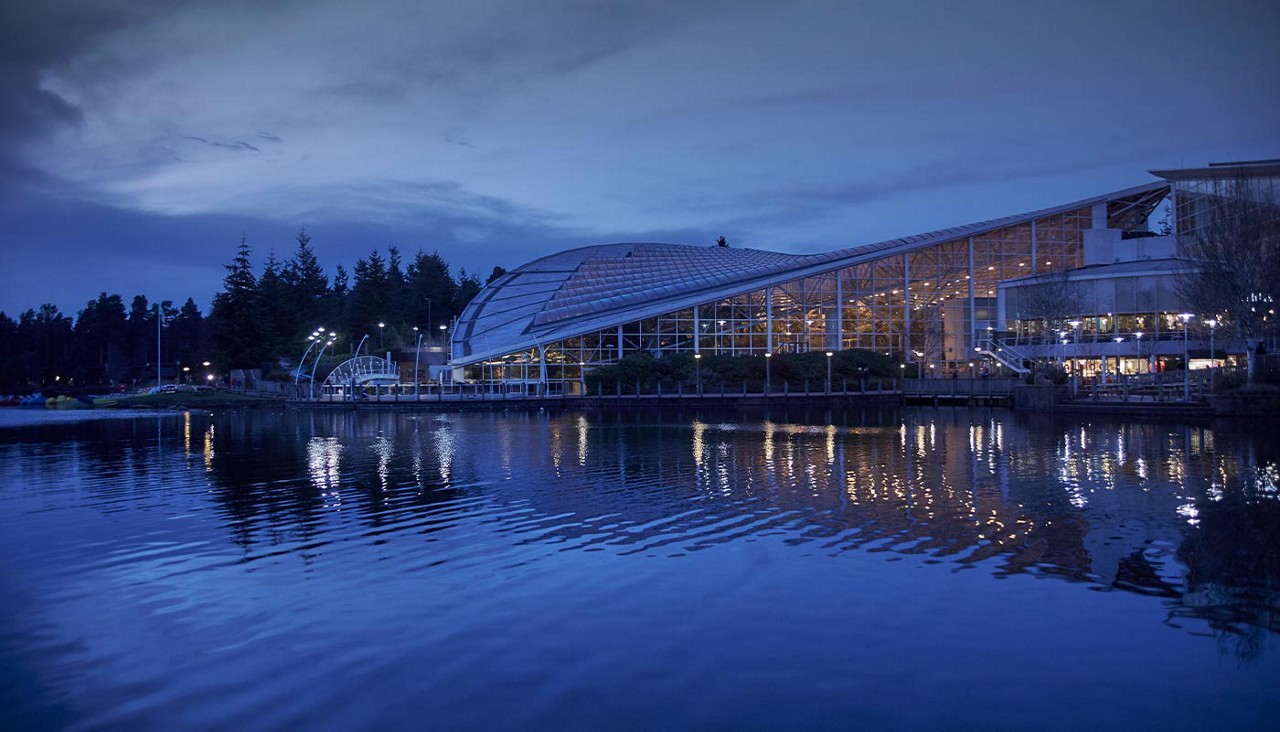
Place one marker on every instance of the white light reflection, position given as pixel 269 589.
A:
pixel 1265 481
pixel 555 446
pixel 324 463
pixel 768 445
pixel 384 449
pixel 699 430
pixel 583 425
pixel 1190 513
pixel 208 449
pixel 444 444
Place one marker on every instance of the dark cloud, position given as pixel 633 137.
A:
pixel 95 247
pixel 784 126
pixel 36 37
pixel 236 146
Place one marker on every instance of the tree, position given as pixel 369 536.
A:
pixel 306 296
pixel 186 335
pixel 272 294
pixel 1052 299
pixel 11 370
pixel 468 287
pixel 100 349
pixel 46 335
pixel 395 289
pixel 722 242
pixel 141 328
pixel 1232 250
pixel 236 317
pixel 431 291
pixel 495 274
pixel 369 301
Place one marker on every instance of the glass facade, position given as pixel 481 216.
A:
pixel 930 305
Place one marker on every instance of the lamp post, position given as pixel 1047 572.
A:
pixel 297 373
pixel 1213 326
pixel 697 371
pixel 312 386
pixel 159 321
pixel 1186 361
pixel 380 327
pixel 829 354
pixel 768 358
pixel 417 352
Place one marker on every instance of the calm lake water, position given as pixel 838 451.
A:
pixel 607 571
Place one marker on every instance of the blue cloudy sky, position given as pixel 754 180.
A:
pixel 140 140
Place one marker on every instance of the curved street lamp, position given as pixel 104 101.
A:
pixel 297 373
pixel 312 386
pixel 417 353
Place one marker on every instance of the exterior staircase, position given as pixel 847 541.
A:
pixel 1010 356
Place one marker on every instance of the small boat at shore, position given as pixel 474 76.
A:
pixel 99 401
pixel 63 401
pixel 35 400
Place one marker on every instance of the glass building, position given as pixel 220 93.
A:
pixel 934 299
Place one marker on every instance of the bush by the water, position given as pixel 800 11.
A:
pixel 648 371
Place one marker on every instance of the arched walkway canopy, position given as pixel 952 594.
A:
pixel 362 371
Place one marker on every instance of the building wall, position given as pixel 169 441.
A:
pixel 923 306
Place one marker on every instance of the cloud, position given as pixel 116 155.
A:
pixel 508 129
pixel 236 146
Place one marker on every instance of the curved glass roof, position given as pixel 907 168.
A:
pixel 586 289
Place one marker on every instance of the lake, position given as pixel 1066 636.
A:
pixel 600 570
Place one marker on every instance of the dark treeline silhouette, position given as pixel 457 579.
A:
pixel 256 320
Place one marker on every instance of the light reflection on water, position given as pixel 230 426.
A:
pixel 616 569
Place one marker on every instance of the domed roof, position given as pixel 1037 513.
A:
pixel 590 288
pixel 582 284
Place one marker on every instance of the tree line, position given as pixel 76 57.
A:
pixel 261 318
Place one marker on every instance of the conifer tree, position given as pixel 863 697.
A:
pixel 307 293
pixel 236 316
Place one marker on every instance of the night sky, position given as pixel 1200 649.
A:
pixel 140 140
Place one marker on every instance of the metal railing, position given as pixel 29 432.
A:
pixel 564 391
